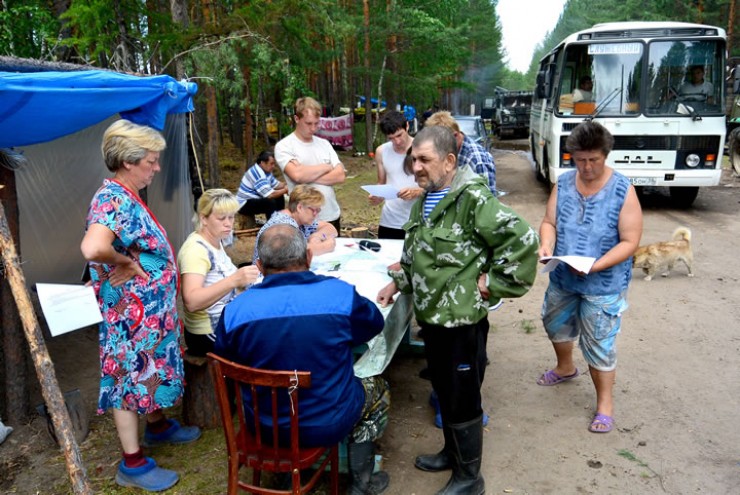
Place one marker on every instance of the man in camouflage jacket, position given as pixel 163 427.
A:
pixel 460 256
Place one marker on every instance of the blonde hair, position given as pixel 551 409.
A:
pixel 218 201
pixel 125 141
pixel 307 104
pixel 444 119
pixel 308 195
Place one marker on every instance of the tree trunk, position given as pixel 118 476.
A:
pixel 63 53
pixel 126 60
pixel 248 121
pixel 368 87
pixel 214 175
pixel 44 367
pixel 262 119
pixel 392 89
pixel 380 97
pixel 179 11
pixel 731 27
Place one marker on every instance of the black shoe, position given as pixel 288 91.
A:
pixel 434 463
pixel 467 449
pixel 441 461
pixel 361 461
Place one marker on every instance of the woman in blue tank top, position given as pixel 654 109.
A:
pixel 593 212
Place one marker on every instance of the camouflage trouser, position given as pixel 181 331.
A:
pixel 375 411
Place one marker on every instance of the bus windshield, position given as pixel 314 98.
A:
pixel 678 77
pixel 601 77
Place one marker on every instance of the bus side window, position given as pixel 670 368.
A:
pixel 565 102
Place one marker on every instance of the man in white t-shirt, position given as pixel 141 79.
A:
pixel 584 92
pixel 308 159
pixel 697 89
pixel 390 158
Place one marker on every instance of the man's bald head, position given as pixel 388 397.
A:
pixel 282 248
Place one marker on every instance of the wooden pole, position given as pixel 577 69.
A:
pixel 17 367
pixel 41 360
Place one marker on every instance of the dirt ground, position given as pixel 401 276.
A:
pixel 676 394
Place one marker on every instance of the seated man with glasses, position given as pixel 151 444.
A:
pixel 303 209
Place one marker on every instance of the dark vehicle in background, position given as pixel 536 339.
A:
pixel 472 126
pixel 511 112
pixel 732 90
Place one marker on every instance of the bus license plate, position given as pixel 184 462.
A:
pixel 644 181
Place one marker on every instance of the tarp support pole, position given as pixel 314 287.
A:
pixel 14 351
pixel 42 361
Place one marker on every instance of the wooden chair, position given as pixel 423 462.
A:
pixel 247 446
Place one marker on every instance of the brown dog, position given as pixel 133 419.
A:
pixel 663 255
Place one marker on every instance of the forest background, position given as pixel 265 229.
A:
pixel 251 59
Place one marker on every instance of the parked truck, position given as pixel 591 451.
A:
pixel 733 112
pixel 511 112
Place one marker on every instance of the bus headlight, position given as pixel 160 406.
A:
pixel 692 160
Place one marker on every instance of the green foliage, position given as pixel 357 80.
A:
pixel 107 34
pixel 27 29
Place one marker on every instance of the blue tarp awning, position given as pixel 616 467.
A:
pixel 41 106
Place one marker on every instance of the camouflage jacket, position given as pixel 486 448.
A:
pixel 468 233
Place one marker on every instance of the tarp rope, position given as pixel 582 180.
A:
pixel 195 153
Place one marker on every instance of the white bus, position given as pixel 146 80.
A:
pixel 646 88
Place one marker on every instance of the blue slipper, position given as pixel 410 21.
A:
pixel 174 434
pixel 149 477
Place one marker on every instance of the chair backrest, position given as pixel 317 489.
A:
pixel 261 383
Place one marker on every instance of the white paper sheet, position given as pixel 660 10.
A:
pixel 68 307
pixel 582 264
pixel 384 191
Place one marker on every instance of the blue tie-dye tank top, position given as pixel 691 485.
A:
pixel 589 226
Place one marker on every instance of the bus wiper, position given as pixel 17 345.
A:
pixel 607 100
pixel 684 109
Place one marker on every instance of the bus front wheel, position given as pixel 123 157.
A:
pixel 683 197
pixel 734 150
pixel 541 167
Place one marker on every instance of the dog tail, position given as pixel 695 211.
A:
pixel 682 234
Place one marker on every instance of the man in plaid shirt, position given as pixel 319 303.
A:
pixel 469 153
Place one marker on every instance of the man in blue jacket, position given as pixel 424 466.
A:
pixel 297 320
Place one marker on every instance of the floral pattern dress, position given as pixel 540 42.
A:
pixel 140 355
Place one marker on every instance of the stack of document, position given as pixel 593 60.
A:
pixel 580 264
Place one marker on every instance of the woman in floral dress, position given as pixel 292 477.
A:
pixel 134 275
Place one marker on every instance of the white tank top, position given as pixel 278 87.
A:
pixel 395 211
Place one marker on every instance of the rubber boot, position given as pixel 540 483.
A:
pixel 467 449
pixel 441 461
pixel 361 461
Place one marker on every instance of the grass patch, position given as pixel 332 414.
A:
pixel 528 326
pixel 632 457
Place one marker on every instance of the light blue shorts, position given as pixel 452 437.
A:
pixel 594 321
